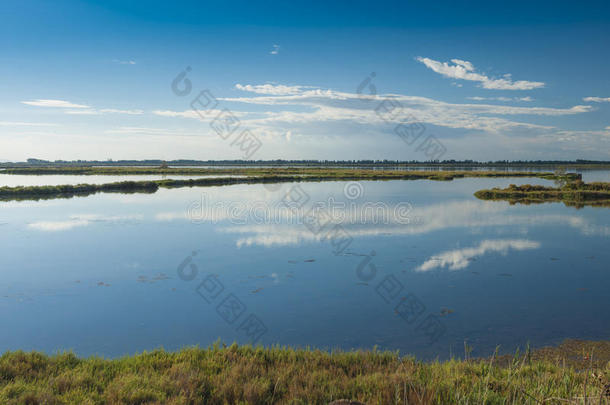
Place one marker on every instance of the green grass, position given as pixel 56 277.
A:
pixel 256 375
pixel 575 193
pixel 248 176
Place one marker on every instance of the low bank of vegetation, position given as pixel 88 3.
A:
pixel 575 193
pixel 241 176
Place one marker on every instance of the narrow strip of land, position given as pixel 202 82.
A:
pixel 241 176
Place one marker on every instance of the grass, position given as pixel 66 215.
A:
pixel 575 193
pixel 256 375
pixel 248 176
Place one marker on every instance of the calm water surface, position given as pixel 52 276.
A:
pixel 414 259
pixel 14 180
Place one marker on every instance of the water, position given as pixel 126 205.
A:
pixel 99 274
pixel 15 180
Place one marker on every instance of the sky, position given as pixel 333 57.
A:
pixel 304 80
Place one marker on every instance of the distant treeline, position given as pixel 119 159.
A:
pixel 281 162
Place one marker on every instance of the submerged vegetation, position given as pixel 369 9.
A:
pixel 575 193
pixel 241 176
pixel 248 375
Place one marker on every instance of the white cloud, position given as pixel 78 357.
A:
pixel 295 95
pixel 276 90
pixel 25 124
pixel 464 70
pixel 124 62
pixel 54 103
pixel 82 112
pixel 79 109
pixel 325 105
pixel 116 111
pixel 206 115
pixel 181 114
pixel 275 50
pixel 209 114
pixel 477 98
pixel 465 64
pixel 597 99
pixel 461 258
pixel 93 111
pixel 151 131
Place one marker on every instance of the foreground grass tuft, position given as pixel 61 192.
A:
pixel 256 375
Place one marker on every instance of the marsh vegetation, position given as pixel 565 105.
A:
pixel 572 193
pixel 257 375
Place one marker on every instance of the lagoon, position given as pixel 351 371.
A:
pixel 100 274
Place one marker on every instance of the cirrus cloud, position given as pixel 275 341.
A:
pixel 54 103
pixel 464 70
pixel 596 99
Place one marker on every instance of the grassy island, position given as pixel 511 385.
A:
pixel 575 372
pixel 575 193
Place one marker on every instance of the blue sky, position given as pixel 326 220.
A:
pixel 92 79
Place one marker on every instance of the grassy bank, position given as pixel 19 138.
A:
pixel 248 176
pixel 247 375
pixel 576 193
